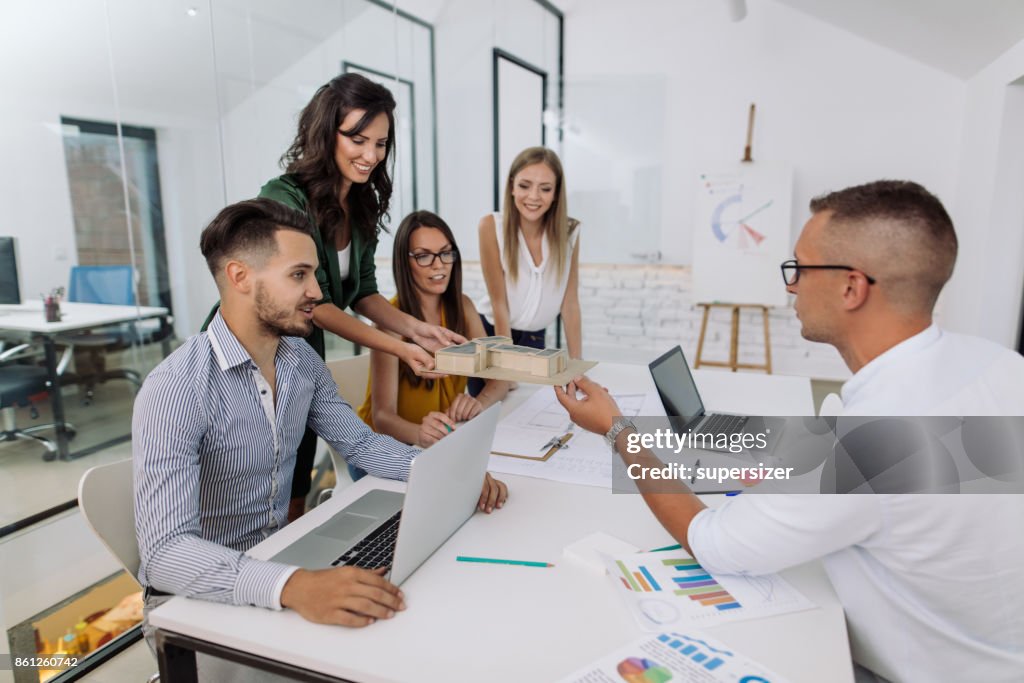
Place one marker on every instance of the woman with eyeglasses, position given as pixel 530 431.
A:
pixel 337 174
pixel 428 277
pixel 529 254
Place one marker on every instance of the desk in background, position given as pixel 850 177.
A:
pixel 468 622
pixel 26 322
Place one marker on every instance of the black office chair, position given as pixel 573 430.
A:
pixel 19 382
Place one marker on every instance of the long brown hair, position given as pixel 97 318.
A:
pixel 310 158
pixel 557 226
pixel 408 301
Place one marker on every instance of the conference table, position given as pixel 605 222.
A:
pixel 26 322
pixel 475 622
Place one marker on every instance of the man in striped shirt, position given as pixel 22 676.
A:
pixel 216 426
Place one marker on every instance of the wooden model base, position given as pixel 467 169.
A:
pixel 497 358
pixel 572 371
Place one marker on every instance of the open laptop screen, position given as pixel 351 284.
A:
pixel 676 386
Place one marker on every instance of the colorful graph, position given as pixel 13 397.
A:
pixel 690 580
pixel 722 227
pixel 696 584
pixel 642 670
pixel 696 649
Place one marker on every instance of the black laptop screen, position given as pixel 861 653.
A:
pixel 676 386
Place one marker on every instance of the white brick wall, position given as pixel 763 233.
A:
pixel 636 312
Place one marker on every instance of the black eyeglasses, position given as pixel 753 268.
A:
pixel 426 258
pixel 791 271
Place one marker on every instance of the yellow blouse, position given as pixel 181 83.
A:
pixel 415 402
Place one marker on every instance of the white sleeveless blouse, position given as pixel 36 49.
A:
pixel 535 298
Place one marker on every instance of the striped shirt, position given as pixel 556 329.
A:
pixel 213 456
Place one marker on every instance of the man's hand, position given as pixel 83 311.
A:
pixel 434 337
pixel 348 596
pixel 595 412
pixel 464 407
pixel 435 426
pixel 493 495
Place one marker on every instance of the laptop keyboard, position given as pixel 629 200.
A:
pixel 723 424
pixel 376 550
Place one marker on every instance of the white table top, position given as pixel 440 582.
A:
pixel 29 317
pixel 503 623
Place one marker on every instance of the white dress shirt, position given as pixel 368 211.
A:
pixel 932 585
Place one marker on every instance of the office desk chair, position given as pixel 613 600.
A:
pixel 351 375
pixel 101 285
pixel 18 384
pixel 107 502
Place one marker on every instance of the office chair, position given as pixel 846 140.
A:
pixel 18 384
pixel 107 501
pixel 351 375
pixel 101 285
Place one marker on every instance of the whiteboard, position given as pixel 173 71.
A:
pixel 742 233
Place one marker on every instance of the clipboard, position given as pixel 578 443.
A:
pixel 555 444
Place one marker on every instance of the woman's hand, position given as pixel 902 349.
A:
pixel 435 426
pixel 464 407
pixel 416 358
pixel 434 337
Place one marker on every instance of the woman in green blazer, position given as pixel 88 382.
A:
pixel 337 173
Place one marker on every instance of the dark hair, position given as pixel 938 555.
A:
pixel 310 158
pixel 408 301
pixel 911 225
pixel 249 228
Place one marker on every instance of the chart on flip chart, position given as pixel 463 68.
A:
pixel 742 232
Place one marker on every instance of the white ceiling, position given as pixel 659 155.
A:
pixel 959 37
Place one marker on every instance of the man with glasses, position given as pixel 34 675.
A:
pixel 925 580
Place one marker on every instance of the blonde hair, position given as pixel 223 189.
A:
pixel 557 226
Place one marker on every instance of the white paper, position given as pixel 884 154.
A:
pixel 687 657
pixel 669 589
pixel 742 232
pixel 586 459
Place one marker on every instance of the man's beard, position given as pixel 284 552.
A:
pixel 279 321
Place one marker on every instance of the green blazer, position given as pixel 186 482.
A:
pixel 362 272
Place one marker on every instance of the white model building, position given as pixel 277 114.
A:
pixel 499 352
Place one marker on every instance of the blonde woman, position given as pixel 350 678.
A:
pixel 530 257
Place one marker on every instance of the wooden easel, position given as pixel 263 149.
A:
pixel 733 362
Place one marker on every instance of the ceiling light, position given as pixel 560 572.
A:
pixel 737 9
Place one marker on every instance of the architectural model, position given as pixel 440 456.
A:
pixel 485 353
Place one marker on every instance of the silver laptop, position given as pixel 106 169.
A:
pixel 390 529
pixel 681 400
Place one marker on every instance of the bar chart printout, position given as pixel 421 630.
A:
pixel 690 657
pixel 673 589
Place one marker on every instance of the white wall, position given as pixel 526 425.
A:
pixel 466 32
pixel 984 296
pixel 840 109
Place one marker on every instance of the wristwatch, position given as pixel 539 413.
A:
pixel 618 425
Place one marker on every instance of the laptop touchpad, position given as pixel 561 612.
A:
pixel 346 527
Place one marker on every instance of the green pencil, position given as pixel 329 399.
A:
pixel 491 560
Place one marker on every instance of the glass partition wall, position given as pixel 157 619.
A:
pixel 126 130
